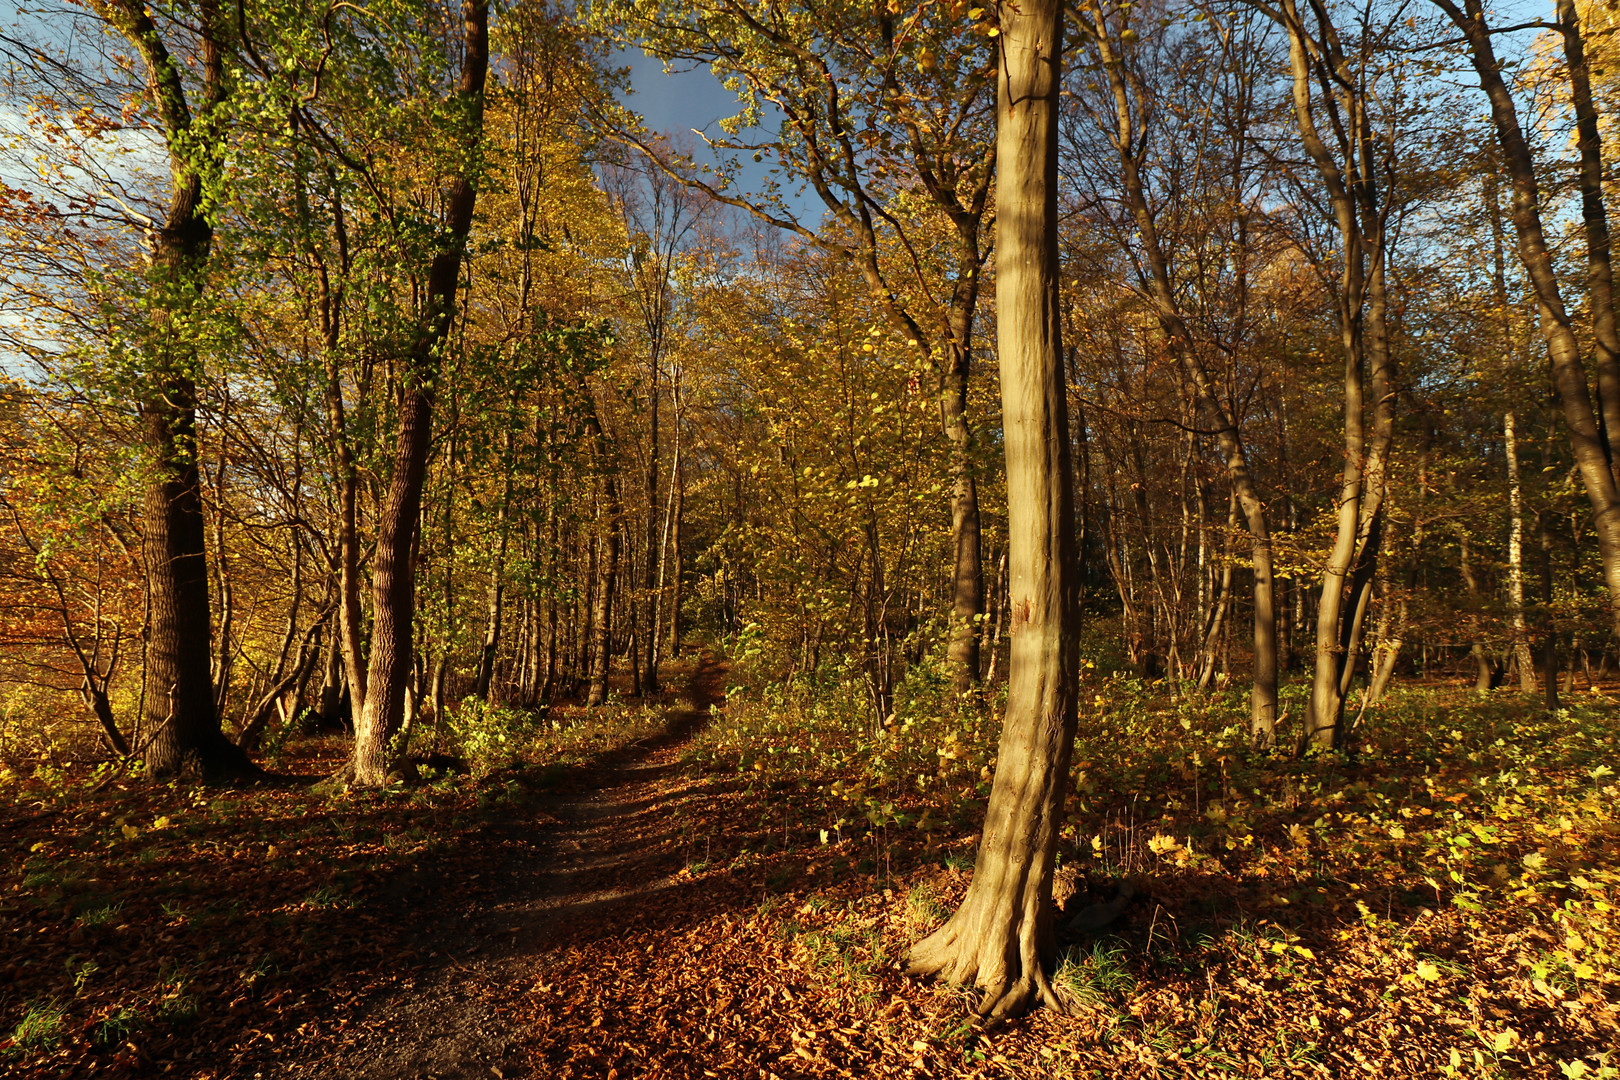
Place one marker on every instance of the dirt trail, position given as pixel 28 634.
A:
pixel 567 860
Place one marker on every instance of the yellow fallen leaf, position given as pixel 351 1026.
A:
pixel 1428 972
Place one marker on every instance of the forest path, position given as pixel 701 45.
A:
pixel 605 842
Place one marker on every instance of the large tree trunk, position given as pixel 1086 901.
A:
pixel 180 711
pixel 1587 444
pixel 1002 937
pixel 393 575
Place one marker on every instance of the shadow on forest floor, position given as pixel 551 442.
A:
pixel 730 898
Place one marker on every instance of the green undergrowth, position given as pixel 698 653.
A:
pixel 1460 856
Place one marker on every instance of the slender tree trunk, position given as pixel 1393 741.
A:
pixel 1515 582
pixel 967 576
pixel 1484 668
pixel 1595 219
pixel 677 567
pixel 1549 628
pixel 1209 647
pixel 331 679
pixel 1587 443
pixel 223 580
pixel 607 566
pixel 1129 143
pixel 1002 938
pixel 496 593
pixel 393 576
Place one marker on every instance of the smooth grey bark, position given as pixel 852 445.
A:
pixel 1002 938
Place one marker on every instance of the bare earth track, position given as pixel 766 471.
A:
pixel 570 860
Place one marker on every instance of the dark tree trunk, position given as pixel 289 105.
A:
pixel 393 575
pixel 180 711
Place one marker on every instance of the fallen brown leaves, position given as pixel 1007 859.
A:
pixel 1423 910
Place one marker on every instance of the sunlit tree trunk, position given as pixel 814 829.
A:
pixel 1002 937
pixel 607 565
pixel 1587 443
pixel 1595 221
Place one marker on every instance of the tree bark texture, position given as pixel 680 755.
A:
pixel 1595 221
pixel 180 711
pixel 1002 937
pixel 393 574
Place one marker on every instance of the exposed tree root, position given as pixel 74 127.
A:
pixel 997 950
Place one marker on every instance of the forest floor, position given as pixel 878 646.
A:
pixel 657 899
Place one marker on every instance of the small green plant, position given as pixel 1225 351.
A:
pixel 82 973
pixel 179 1007
pixel 40 1027
pixel 99 916
pixel 492 736
pixel 326 896
pixel 1094 977
pixel 117 1027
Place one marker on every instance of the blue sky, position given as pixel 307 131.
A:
pixel 676 104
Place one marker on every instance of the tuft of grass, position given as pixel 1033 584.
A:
pixel 923 906
pixel 117 1028
pixel 327 896
pixel 40 1027
pixel 1094 976
pixel 99 916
